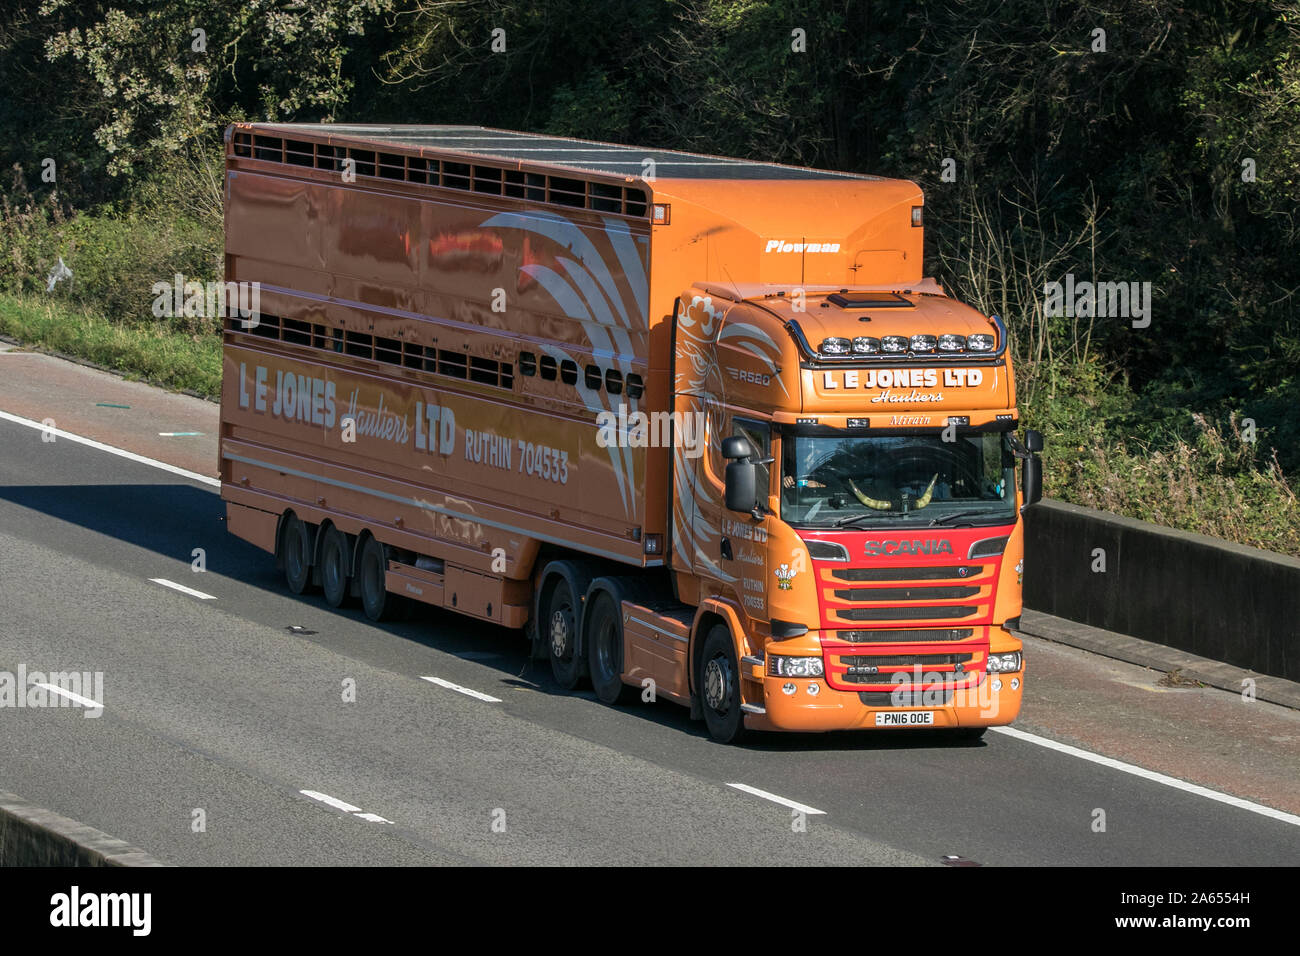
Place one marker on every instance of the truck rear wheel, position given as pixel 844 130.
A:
pixel 295 552
pixel 718 686
pixel 334 566
pixel 559 628
pixel 604 641
pixel 378 603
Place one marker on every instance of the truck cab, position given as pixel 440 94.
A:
pixel 857 504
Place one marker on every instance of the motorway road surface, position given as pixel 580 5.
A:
pixel 212 703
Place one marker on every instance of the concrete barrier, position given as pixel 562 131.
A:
pixel 1199 594
pixel 31 836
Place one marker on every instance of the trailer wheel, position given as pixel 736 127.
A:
pixel 718 685
pixel 334 566
pixel 559 627
pixel 295 550
pixel 604 643
pixel 372 569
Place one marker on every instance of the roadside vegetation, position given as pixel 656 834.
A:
pixel 1169 154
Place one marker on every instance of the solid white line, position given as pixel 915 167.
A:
pixel 183 589
pixel 77 698
pixel 1151 775
pixel 775 799
pixel 121 452
pixel 372 818
pixel 334 802
pixel 477 695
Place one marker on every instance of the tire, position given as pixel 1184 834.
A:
pixel 559 627
pixel 295 552
pixel 718 686
pixel 334 576
pixel 372 569
pixel 603 637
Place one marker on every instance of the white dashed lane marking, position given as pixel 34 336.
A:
pixel 477 695
pixel 792 804
pixel 343 805
pixel 183 589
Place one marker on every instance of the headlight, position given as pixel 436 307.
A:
pixel 980 342
pixel 781 665
pixel 1004 663
pixel 923 343
pixel 835 346
pixel 951 343
pixel 893 343
pixel 866 344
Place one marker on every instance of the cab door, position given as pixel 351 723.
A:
pixel 731 548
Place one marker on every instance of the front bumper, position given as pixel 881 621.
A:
pixel 986 705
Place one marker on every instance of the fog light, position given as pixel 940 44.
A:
pixel 835 346
pixel 948 342
pixel 997 683
pixel 866 343
pixel 923 343
pixel 814 688
pixel 980 342
pixel 787 688
pixel 1015 683
pixel 893 343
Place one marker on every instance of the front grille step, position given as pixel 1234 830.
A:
pixel 897 636
pixel 905 613
pixel 906 594
pixel 956 571
pixel 903 660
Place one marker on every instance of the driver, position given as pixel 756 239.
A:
pixel 808 462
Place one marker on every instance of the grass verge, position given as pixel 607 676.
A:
pixel 149 352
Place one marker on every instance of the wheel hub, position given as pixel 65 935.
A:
pixel 559 632
pixel 717 684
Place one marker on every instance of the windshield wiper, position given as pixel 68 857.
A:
pixel 953 515
pixel 849 519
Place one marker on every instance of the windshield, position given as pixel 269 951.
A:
pixel 899 478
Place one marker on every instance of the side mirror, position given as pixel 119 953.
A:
pixel 1033 440
pixel 737 446
pixel 741 485
pixel 1031 480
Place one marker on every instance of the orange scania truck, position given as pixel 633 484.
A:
pixel 699 425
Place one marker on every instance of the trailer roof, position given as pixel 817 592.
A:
pixel 609 158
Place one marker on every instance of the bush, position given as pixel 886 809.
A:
pixel 1179 469
pixel 116 253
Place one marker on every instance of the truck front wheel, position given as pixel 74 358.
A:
pixel 718 687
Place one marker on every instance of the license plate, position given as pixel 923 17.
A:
pixel 904 718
